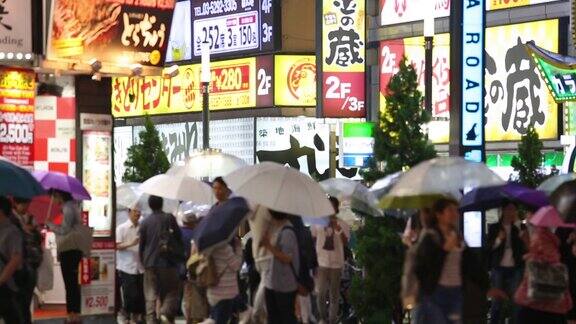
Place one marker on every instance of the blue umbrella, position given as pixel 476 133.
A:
pixel 18 182
pixel 496 196
pixel 221 223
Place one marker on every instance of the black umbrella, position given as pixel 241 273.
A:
pixel 564 199
pixel 221 223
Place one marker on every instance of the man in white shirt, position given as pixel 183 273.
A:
pixel 330 243
pixel 130 269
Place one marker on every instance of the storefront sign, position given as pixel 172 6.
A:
pixel 403 11
pixel 342 58
pixel 95 122
pixel 17 115
pixel 97 178
pixel 295 80
pixel 302 143
pixel 240 83
pixel 356 144
pixel 179 140
pixel 233 26
pixel 16 28
pixel 558 71
pixel 111 31
pixel 99 279
pixel 516 95
pixel 472 81
pixel 511 88
pixel 180 41
pixel 392 52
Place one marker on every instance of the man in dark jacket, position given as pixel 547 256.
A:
pixel 161 279
pixel 506 249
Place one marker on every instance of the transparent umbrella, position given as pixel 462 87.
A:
pixel 178 188
pixel 552 183
pixel 443 176
pixel 210 163
pixel 129 195
pixel 358 195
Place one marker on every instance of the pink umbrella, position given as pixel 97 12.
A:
pixel 548 216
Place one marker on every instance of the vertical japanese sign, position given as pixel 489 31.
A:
pixel 472 81
pixel 17 115
pixel 342 58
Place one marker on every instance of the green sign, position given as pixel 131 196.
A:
pixel 558 71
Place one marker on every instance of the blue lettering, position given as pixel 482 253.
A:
pixel 472 61
pixel 471 84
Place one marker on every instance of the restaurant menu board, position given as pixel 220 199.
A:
pixel 111 31
pixel 97 277
pixel 97 178
pixel 240 83
pixel 233 26
pixel 17 116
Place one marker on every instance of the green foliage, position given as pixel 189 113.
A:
pixel 528 163
pixel 145 159
pixel 380 252
pixel 399 142
pixel 399 139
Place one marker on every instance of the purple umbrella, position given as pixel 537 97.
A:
pixel 496 196
pixel 62 182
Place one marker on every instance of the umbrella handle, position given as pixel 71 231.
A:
pixel 49 209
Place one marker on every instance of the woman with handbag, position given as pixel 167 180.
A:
pixel 69 254
pixel 543 294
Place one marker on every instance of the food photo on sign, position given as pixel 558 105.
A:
pixel 110 31
pixel 516 95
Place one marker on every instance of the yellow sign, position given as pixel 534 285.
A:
pixel 504 4
pixel 516 95
pixel 295 80
pixel 343 36
pixel 233 85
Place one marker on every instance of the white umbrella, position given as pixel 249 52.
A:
pixel 209 164
pixel 440 176
pixel 130 195
pixel 280 188
pixel 358 195
pixel 178 188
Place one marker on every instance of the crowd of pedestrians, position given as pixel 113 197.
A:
pixel 288 267
pixel 525 269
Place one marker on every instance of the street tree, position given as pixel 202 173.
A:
pixel 145 158
pixel 400 143
pixel 528 163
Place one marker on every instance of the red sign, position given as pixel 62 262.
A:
pixel 17 116
pixel 85 275
pixel 344 94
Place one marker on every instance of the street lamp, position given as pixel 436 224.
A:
pixel 205 80
pixel 428 45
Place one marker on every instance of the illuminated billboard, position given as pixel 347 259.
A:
pixel 343 58
pixel 516 95
pixel 295 80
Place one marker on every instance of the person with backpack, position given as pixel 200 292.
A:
pixel 282 282
pixel 32 254
pixel 11 243
pixel 330 243
pixel 161 252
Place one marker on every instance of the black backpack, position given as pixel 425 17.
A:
pixel 307 252
pixel 170 244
